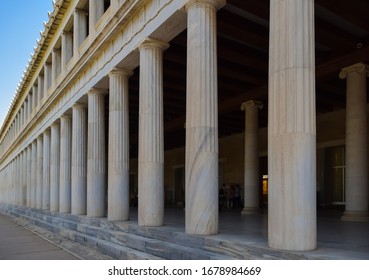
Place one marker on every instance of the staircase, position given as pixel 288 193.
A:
pixel 124 240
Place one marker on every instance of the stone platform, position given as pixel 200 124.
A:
pixel 240 237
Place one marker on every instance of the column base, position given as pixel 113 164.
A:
pixel 250 210
pixel 355 216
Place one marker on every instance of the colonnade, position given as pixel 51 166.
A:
pixel 64 168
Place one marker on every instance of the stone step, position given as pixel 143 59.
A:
pixel 159 243
pixel 114 250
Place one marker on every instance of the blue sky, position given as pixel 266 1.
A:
pixel 20 25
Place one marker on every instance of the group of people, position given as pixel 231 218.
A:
pixel 230 197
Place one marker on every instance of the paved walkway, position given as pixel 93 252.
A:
pixel 18 243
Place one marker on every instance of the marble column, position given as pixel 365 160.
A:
pixel 29 110
pixel 201 120
pixel 46 172
pixel 151 135
pixel 251 168
pixel 118 154
pixel 356 178
pixel 47 77
pixel 292 127
pixel 79 159
pixel 16 180
pixel 96 10
pixel 96 166
pixel 24 178
pixel 29 176
pixel 54 166
pixel 80 29
pixel 39 175
pixel 65 164
pixel 34 174
pixel 34 101
pixel 56 65
pixel 66 49
pixel 40 87
pixel 25 111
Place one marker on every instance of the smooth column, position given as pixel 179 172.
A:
pixel 80 29
pixel 96 167
pixel 40 162
pixel 251 171
pixel 65 163
pixel 54 167
pixel 201 120
pixel 66 49
pixel 46 172
pixel 292 127
pixel 79 159
pixel 34 174
pixel 118 172
pixel 356 179
pixel 29 176
pixel 151 135
pixel 24 178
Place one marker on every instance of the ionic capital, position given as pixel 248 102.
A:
pixel 358 67
pixel 251 104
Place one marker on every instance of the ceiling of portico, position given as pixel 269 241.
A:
pixel 342 39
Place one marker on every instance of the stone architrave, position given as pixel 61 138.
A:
pixel 151 135
pixel 118 154
pixel 356 173
pixel 292 127
pixel 65 164
pixel 96 166
pixel 251 169
pixel 79 159
pixel 202 119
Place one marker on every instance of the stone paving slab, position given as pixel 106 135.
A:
pixel 18 243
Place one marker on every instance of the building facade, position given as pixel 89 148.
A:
pixel 161 102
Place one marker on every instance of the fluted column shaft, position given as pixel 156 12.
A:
pixel 24 179
pixel 201 120
pixel 65 163
pixel 29 176
pixel 54 167
pixel 34 174
pixel 39 175
pixel 118 172
pixel 292 126
pixel 356 177
pixel 151 135
pixel 251 168
pixel 79 159
pixel 16 181
pixel 96 167
pixel 46 172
